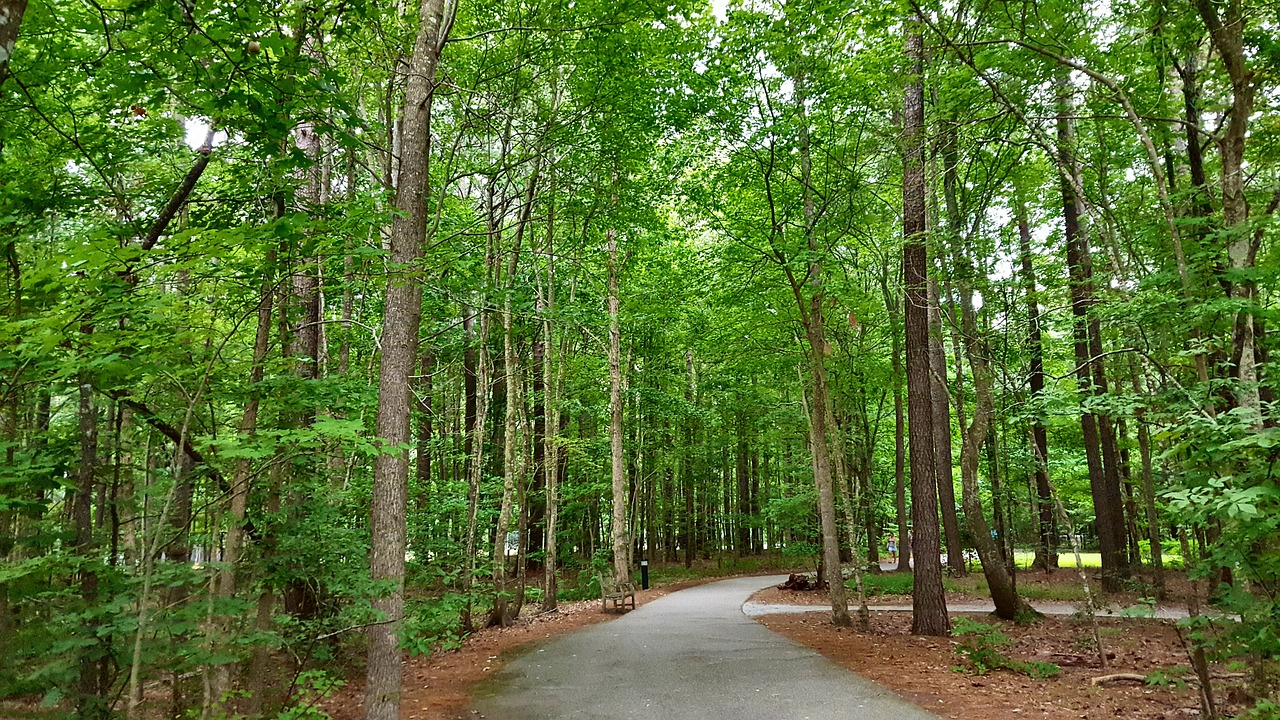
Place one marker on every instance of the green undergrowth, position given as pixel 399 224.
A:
pixel 980 652
pixel 895 583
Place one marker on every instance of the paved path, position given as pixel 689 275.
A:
pixel 692 655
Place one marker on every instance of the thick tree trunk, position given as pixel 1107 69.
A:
pixel 402 315
pixel 618 470
pixel 11 12
pixel 929 602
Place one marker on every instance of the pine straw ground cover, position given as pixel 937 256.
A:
pixel 922 670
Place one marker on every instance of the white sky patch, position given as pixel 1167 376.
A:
pixel 720 9
pixel 198 131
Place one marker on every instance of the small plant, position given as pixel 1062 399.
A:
pixel 1167 677
pixel 312 687
pixel 1146 608
pixel 980 649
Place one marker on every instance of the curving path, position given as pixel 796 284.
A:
pixel 690 655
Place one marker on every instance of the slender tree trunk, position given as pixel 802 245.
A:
pixel 402 315
pixel 1046 557
pixel 842 478
pixel 1107 513
pixel 929 602
pixel 690 519
pixel 899 426
pixel 90 701
pixel 475 462
pixel 238 512
pixel 942 435
pixel 814 320
pixel 1148 480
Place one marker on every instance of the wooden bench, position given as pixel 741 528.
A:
pixel 617 592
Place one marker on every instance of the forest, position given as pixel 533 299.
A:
pixel 333 331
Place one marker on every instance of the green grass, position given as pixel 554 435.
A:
pixel 1093 560
pixel 1023 559
pixel 886 583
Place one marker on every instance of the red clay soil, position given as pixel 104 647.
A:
pixel 438 687
pixel 921 669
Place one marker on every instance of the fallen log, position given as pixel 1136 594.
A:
pixel 1117 677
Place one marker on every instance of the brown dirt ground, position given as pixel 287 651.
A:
pixel 439 686
pixel 921 669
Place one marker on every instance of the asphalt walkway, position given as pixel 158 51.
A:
pixel 692 655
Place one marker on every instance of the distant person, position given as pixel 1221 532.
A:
pixel 893 548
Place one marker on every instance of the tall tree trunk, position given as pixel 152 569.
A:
pixel 239 505
pixel 552 365
pixel 1107 510
pixel 1046 557
pixel 690 519
pixel 618 470
pixel 501 614
pixel 91 704
pixel 841 477
pixel 401 318
pixel 899 425
pixel 814 320
pixel 928 601
pixel 742 541
pixel 1148 480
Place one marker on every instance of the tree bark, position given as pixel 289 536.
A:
pixel 551 380
pixel 402 315
pixel 618 470
pixel 91 704
pixel 11 12
pixel 928 602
